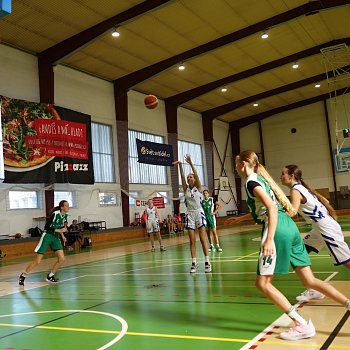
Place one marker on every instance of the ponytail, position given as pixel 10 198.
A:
pixel 281 197
pixel 252 158
pixel 58 207
pixel 322 199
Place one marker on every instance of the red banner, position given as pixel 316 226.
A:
pixel 158 202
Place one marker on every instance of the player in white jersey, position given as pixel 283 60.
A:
pixel 317 211
pixel 152 224
pixel 281 244
pixel 195 213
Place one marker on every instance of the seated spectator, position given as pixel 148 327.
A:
pixel 71 237
pixel 74 226
pixel 170 223
pixel 180 223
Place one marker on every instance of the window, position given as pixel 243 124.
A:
pixel 24 200
pixel 107 199
pixel 70 197
pixel 132 196
pixel 165 195
pixel 195 151
pixel 102 152
pixel 140 172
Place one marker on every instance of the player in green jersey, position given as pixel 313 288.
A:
pixel 281 243
pixel 54 230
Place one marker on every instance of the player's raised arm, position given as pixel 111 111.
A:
pixel 189 161
pixel 183 179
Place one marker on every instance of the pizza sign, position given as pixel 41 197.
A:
pixel 43 143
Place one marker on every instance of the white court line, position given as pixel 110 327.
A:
pixel 116 317
pixel 283 321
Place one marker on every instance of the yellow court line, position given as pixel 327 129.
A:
pixel 174 336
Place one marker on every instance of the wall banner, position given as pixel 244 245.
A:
pixel 154 153
pixel 43 143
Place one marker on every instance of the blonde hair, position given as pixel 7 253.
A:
pixel 252 159
pixel 297 173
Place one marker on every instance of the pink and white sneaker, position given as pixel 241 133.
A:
pixel 299 332
pixel 310 294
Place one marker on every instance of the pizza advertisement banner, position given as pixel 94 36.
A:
pixel 43 143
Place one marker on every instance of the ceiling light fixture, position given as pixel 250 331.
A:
pixel 224 89
pixel 115 33
pixel 256 104
pixel 264 35
pixel 295 65
pixel 317 85
pixel 181 66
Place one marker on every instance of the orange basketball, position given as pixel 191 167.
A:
pixel 151 101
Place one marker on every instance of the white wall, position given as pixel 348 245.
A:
pixel 78 91
pixel 225 198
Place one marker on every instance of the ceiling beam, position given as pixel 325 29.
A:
pixel 309 8
pixel 257 117
pixel 188 95
pixel 55 54
pixel 229 107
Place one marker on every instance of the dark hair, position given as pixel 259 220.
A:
pixel 58 207
pixel 297 173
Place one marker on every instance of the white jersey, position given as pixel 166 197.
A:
pixel 193 199
pixel 325 232
pixel 313 210
pixel 151 213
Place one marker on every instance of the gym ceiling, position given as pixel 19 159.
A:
pixel 218 42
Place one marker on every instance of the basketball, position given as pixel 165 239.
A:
pixel 151 101
pixel 18 235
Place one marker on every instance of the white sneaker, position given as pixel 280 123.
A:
pixel 299 332
pixel 310 294
pixel 211 248
pixel 207 267
pixel 218 248
pixel 194 267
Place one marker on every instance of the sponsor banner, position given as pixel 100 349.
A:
pixel 154 153
pixel 158 202
pixel 43 143
pixel 140 203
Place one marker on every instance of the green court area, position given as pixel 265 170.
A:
pixel 150 300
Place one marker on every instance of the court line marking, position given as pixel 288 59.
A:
pixel 173 336
pixel 118 318
pixel 283 321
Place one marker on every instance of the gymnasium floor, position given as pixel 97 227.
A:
pixel 125 297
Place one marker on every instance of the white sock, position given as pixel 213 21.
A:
pixel 51 274
pixel 206 258
pixel 194 260
pixel 293 314
pixel 347 304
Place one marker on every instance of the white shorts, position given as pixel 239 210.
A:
pixel 153 226
pixel 327 233
pixel 195 219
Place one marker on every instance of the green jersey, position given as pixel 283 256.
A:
pixel 208 205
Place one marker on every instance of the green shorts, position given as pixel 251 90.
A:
pixel 290 249
pixel 47 240
pixel 211 221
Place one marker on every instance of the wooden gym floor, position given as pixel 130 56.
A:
pixel 123 296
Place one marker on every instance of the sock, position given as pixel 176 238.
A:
pixel 194 261
pixel 25 274
pixel 347 304
pixel 206 258
pixel 293 314
pixel 51 274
